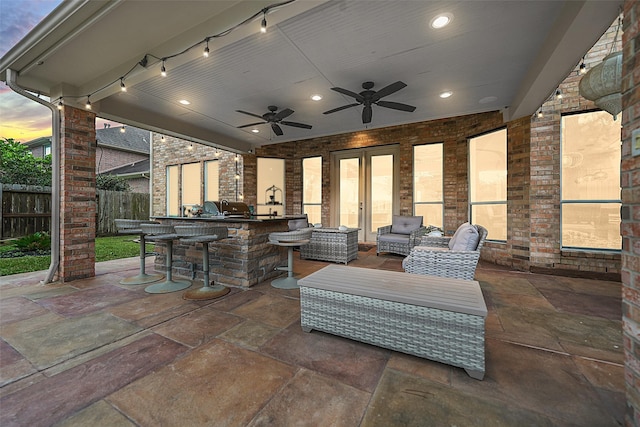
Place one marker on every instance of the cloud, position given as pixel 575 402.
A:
pixel 18 17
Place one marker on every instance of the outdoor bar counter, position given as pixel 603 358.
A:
pixel 244 259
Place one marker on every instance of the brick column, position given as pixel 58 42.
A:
pixel 630 171
pixel 77 194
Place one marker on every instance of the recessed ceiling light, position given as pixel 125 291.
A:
pixel 446 94
pixel 184 102
pixel 255 130
pixel 441 20
pixel 316 97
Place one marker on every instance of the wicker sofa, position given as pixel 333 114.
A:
pixel 441 256
pixel 399 237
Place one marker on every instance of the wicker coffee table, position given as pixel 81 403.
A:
pixel 331 244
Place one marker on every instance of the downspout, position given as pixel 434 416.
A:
pixel 55 173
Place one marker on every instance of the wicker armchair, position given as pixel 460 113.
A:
pixel 400 236
pixel 434 256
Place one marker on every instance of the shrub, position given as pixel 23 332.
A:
pixel 35 242
pixel 112 183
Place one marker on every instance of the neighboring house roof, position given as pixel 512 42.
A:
pixel 136 168
pixel 132 139
pixel 38 142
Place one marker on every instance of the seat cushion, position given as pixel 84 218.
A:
pixel 405 224
pixel 297 224
pixel 466 238
pixel 394 238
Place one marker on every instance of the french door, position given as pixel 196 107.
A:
pixel 365 188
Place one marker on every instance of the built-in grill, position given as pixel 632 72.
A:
pixel 223 208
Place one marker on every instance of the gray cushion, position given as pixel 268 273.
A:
pixel 405 224
pixel 466 238
pixel 394 238
pixel 297 224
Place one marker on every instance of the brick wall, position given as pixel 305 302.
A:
pixel 109 158
pixel 545 252
pixel 77 194
pixel 630 230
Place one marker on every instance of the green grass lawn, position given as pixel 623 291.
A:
pixel 107 248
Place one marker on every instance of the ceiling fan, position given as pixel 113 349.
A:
pixel 275 119
pixel 369 97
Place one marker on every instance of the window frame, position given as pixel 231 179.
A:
pixel 441 202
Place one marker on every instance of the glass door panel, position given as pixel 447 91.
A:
pixel 349 212
pixel 380 193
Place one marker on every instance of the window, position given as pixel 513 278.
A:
pixel 312 189
pixel 191 186
pixel 47 149
pixel 428 199
pixel 488 183
pixel 270 181
pixel 173 195
pixel 590 197
pixel 211 180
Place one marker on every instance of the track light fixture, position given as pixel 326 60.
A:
pixel 263 24
pixel 583 67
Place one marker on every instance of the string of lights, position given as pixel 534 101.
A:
pixel 144 62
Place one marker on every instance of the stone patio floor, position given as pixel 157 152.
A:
pixel 96 353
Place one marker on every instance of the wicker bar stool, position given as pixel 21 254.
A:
pixel 289 239
pixel 133 227
pixel 204 235
pixel 164 233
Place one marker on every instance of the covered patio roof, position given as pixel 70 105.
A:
pixel 499 55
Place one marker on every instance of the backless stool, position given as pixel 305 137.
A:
pixel 132 226
pixel 167 234
pixel 205 235
pixel 289 240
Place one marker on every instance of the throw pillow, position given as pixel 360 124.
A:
pixel 467 239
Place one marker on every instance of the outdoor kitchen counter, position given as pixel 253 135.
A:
pixel 244 259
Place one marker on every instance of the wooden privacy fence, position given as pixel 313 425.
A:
pixel 26 209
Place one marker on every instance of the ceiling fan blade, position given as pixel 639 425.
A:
pixel 366 114
pixel 341 108
pixel 251 124
pixel 396 106
pixel 296 125
pixel 388 90
pixel 357 96
pixel 284 113
pixel 250 114
pixel 276 129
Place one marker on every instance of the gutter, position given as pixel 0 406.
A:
pixel 55 174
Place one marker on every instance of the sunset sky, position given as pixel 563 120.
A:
pixel 21 118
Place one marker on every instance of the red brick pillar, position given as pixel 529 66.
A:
pixel 77 194
pixel 630 228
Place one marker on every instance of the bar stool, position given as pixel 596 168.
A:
pixel 132 226
pixel 289 240
pixel 164 233
pixel 205 235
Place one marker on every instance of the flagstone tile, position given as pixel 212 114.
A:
pixel 99 414
pixel 88 301
pixel 356 364
pixel 250 334
pixel 234 300
pixel 217 384
pixel 271 309
pixel 54 342
pixel 403 400
pixel 314 400
pixel 13 365
pixel 152 309
pixel 19 308
pixel 58 397
pixel 197 327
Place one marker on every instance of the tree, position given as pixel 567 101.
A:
pixel 112 183
pixel 19 166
